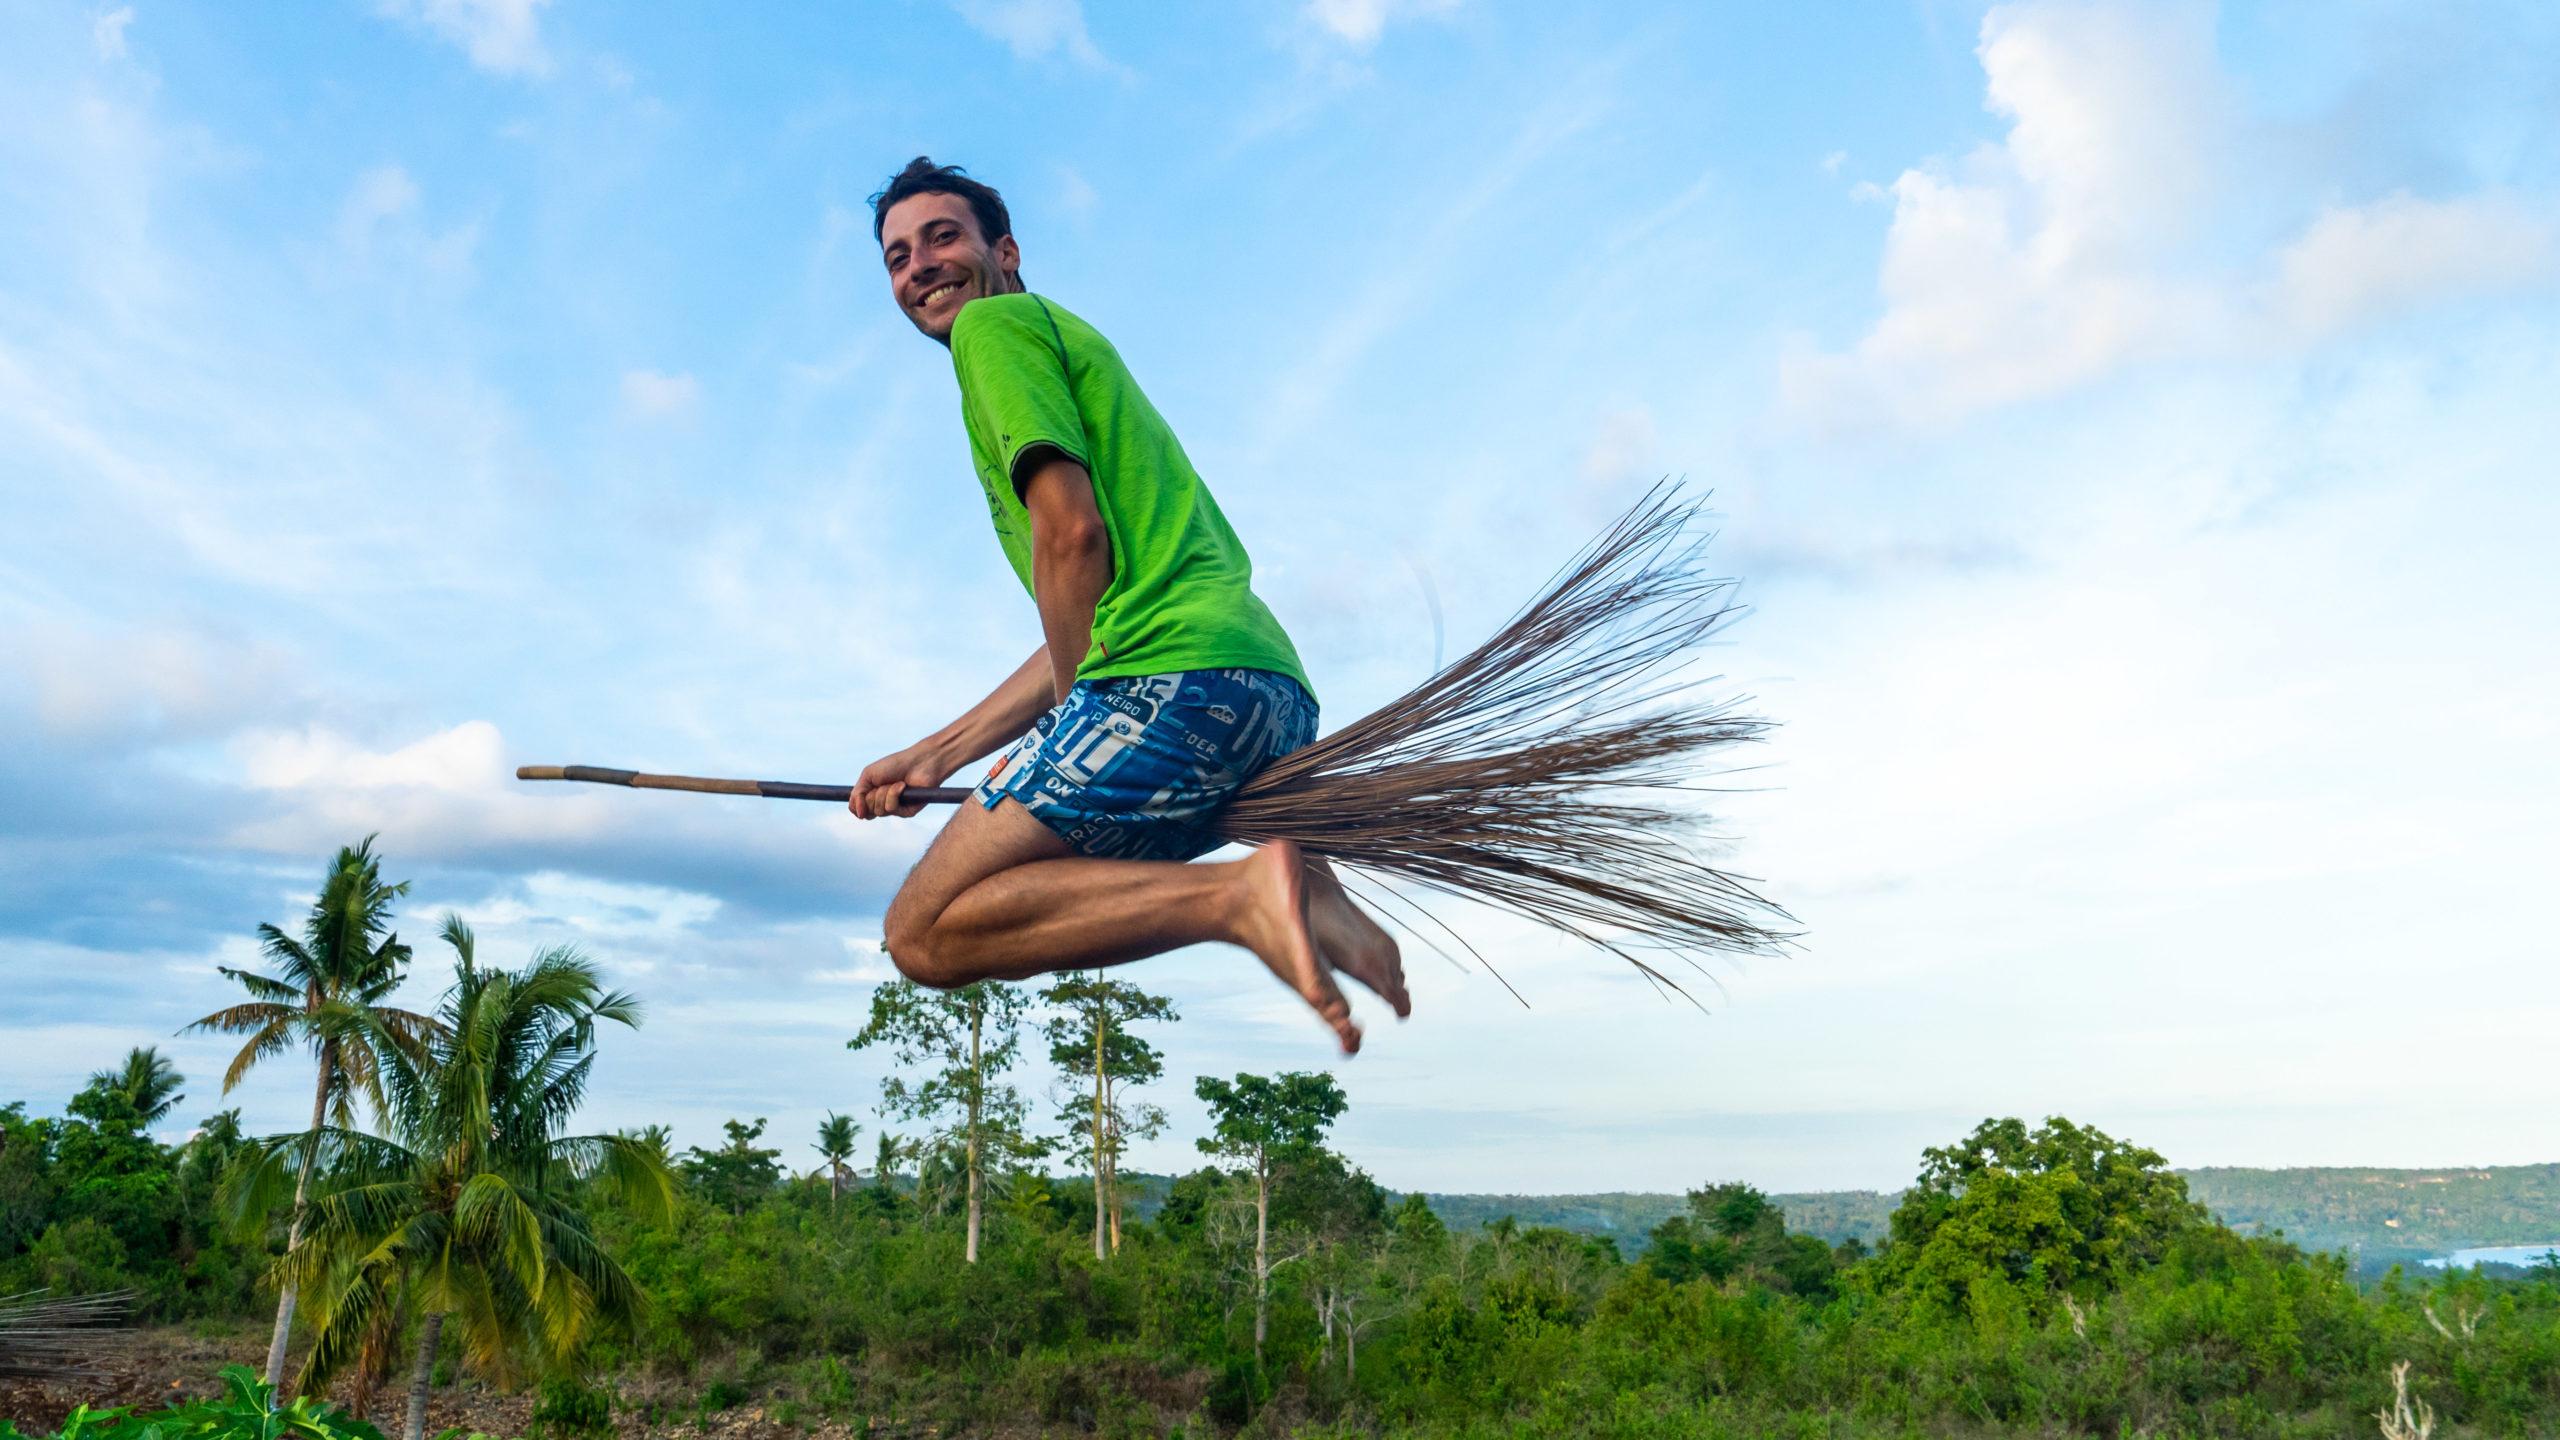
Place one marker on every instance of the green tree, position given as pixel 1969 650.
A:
pixel 2062 1208
pixel 327 995
pixel 835 1147
pixel 1265 1122
pixel 469 1211
pixel 970 1036
pixel 740 1172
pixel 891 1151
pixel 1092 1046
pixel 147 1081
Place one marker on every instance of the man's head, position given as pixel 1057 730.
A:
pixel 946 240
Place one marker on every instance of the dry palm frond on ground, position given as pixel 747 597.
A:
pixel 47 1339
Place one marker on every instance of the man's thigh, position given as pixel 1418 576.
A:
pixel 977 843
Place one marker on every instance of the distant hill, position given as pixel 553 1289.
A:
pixel 2381 1217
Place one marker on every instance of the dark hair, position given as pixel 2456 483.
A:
pixel 923 177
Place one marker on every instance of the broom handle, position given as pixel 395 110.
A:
pixel 768 789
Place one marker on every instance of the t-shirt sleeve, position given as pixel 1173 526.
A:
pixel 1013 370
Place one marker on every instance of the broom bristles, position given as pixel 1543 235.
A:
pixel 1547 772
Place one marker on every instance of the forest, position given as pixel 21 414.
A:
pixel 960 1262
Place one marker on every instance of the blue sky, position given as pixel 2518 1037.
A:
pixel 2131 423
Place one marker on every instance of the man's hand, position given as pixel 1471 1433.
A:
pixel 882 789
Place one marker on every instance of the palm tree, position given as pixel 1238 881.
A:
pixel 326 995
pixel 889 1155
pixel 147 1081
pixel 466 1211
pixel 835 1146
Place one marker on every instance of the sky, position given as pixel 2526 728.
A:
pixel 2131 425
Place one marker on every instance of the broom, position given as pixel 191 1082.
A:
pixel 1546 772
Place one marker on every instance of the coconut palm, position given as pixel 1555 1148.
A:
pixel 835 1146
pixel 892 1151
pixel 468 1211
pixel 326 995
pixel 147 1081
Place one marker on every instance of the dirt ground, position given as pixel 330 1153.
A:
pixel 158 1366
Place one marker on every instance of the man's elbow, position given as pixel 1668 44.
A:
pixel 1075 540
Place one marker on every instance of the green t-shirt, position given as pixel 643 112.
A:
pixel 1181 594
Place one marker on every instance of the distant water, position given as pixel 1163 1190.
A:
pixel 2496 1255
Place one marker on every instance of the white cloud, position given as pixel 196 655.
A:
pixel 653 396
pixel 1359 23
pixel 1035 29
pixel 1626 445
pixel 381 220
pixel 503 37
pixel 379 194
pixel 108 32
pixel 2098 232
pixel 2358 262
pixel 1076 195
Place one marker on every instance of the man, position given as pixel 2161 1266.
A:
pixel 1161 686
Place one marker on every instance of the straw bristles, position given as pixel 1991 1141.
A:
pixel 1548 771
pixel 51 1339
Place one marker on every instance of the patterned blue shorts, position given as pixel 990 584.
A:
pixel 1134 768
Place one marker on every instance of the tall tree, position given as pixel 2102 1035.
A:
pixel 327 995
pixel 468 1211
pixel 1266 1121
pixel 972 1035
pixel 1093 1048
pixel 147 1081
pixel 835 1146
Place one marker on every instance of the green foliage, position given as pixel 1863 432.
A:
pixel 737 1174
pixel 1257 1118
pixel 2061 1209
pixel 563 1407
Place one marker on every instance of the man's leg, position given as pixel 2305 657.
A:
pixel 999 896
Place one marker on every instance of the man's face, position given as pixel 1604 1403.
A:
pixel 939 262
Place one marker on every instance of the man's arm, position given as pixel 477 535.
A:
pixel 1007 711
pixel 1070 558
pixel 1070 568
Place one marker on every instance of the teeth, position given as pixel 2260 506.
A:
pixel 935 294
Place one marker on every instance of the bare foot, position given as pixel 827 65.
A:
pixel 1274 927
pixel 1354 942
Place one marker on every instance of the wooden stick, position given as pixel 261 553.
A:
pixel 766 789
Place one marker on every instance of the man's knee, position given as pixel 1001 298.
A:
pixel 907 934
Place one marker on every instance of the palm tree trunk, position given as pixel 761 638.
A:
pixel 977 1085
pixel 429 1333
pixel 1101 1161
pixel 293 1231
pixel 1263 1251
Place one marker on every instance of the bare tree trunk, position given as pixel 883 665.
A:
pixel 430 1332
pixel 1101 1159
pixel 293 1231
pixel 977 1087
pixel 1261 1253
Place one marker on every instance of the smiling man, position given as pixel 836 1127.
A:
pixel 1162 683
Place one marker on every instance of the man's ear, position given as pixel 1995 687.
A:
pixel 1008 256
